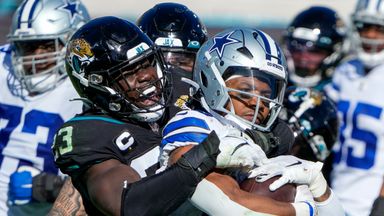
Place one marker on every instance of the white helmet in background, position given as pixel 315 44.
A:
pixel 37 22
pixel 235 53
pixel 368 12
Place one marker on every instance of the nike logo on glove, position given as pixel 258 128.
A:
pixel 297 163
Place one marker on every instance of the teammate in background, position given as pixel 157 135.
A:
pixel 313 119
pixel 240 78
pixel 34 102
pixel 357 87
pixel 313 44
pixel 179 33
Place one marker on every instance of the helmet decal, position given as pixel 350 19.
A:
pixel 70 8
pixel 220 42
pixel 137 50
pixel 270 47
pixel 80 54
pixel 26 12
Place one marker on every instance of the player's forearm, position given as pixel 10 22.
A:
pixel 218 203
pixel 68 202
pixel 263 204
pixel 173 186
pixel 252 202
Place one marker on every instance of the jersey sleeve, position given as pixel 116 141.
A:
pixel 188 127
pixel 81 143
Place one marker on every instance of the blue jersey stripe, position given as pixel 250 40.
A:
pixel 83 118
pixel 20 13
pixel 185 122
pixel 184 137
pixel 31 13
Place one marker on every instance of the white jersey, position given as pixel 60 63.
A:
pixel 28 125
pixel 359 163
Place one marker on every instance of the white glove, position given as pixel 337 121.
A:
pixel 293 170
pixel 239 151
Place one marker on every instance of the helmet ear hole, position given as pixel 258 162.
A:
pixel 245 52
pixel 204 79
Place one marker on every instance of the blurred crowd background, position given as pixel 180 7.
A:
pixel 270 15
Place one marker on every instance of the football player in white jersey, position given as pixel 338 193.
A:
pixel 35 101
pixel 240 77
pixel 357 88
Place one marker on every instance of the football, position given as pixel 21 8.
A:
pixel 286 193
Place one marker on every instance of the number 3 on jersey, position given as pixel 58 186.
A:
pixel 364 136
pixel 66 136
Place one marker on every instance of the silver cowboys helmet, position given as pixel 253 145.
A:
pixel 49 22
pixel 241 53
pixel 368 12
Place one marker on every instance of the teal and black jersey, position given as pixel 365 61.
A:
pixel 86 140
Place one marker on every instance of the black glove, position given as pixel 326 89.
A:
pixel 266 140
pixel 46 187
pixel 378 207
pixel 277 142
pixel 284 133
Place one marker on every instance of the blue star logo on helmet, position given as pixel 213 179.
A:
pixel 70 8
pixel 220 42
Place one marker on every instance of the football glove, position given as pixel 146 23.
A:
pixel 238 150
pixel 292 170
pixel 20 185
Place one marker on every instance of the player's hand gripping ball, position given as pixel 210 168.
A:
pixel 286 193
